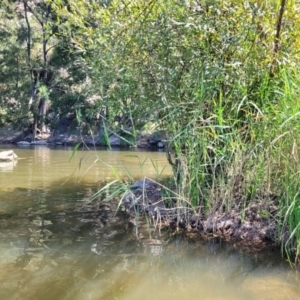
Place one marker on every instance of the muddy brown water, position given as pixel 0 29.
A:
pixel 55 244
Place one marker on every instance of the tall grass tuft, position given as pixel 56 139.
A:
pixel 237 155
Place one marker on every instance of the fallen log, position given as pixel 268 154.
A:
pixel 8 155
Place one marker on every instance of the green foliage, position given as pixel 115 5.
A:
pixel 214 77
pixel 44 92
pixel 221 78
pixel 12 63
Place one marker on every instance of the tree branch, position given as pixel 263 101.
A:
pixel 277 38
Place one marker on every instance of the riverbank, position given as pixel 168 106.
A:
pixel 253 226
pixel 152 140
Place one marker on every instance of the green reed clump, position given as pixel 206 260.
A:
pixel 221 78
pixel 283 151
pixel 238 154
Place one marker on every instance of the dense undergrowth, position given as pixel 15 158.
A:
pixel 222 79
pixel 224 162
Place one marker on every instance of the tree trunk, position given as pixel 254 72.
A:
pixel 28 42
pixel 42 114
pixel 101 122
pixel 276 48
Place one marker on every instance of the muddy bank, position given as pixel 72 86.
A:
pixel 255 225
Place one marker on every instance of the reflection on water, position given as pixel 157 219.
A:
pixel 40 166
pixel 8 165
pixel 55 244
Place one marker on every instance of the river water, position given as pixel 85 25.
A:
pixel 57 244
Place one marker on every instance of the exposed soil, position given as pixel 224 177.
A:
pixel 253 226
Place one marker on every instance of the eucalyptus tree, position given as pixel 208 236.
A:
pixel 40 29
pixel 24 59
pixel 13 78
pixel 38 67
